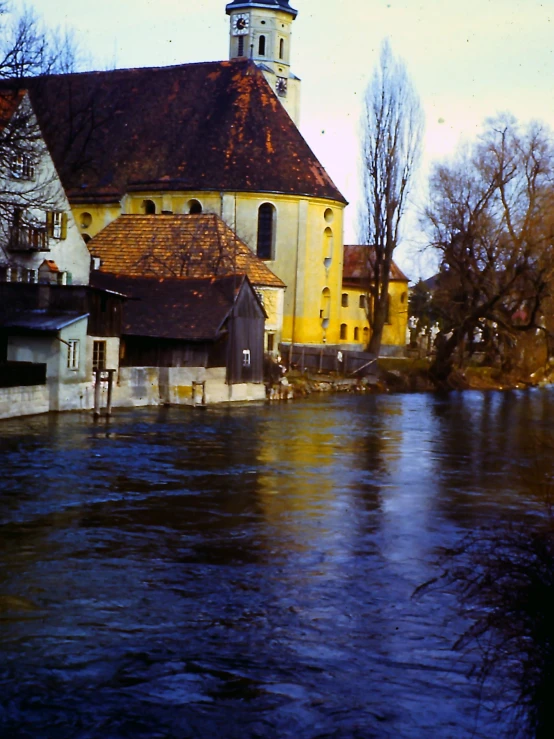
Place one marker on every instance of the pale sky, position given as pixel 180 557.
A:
pixel 468 59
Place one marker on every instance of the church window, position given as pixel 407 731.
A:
pixel 281 48
pixel 261 46
pixel 328 246
pixel 362 301
pixel 148 207
pixel 86 220
pixel 194 207
pixel 366 335
pixel 356 334
pixel 325 309
pixel 266 231
pixel 241 46
pixel 328 215
pixel 343 331
pixel 344 301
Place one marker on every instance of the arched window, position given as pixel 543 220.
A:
pixel 261 46
pixel 343 331
pixel 194 207
pixel 266 231
pixel 328 246
pixel 148 207
pixel 366 335
pixel 356 334
pixel 344 300
pixel 281 48
pixel 325 309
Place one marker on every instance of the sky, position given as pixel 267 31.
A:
pixel 468 60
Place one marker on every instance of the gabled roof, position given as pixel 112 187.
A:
pixel 174 246
pixel 356 265
pixel 188 309
pixel 210 126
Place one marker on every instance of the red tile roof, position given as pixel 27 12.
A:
pixel 356 265
pixel 209 126
pixel 177 246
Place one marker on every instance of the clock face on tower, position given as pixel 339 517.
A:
pixel 281 86
pixel 240 24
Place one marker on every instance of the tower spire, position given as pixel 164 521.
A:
pixel 262 30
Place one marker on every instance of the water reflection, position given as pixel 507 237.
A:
pixel 248 572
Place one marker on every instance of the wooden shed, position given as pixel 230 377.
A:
pixel 211 322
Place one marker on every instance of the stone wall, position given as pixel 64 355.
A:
pixel 133 387
pixel 24 401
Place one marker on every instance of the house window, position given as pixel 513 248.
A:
pixel 22 167
pixel 356 334
pixel 344 301
pixel 246 357
pixel 261 46
pixel 56 224
pixel 73 354
pixel 99 355
pixel 266 229
pixel 343 331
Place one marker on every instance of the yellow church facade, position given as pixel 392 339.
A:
pixel 215 138
pixel 306 248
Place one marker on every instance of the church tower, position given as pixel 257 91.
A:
pixel 261 30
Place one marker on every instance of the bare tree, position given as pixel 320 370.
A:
pixel 28 48
pixel 490 219
pixel 391 144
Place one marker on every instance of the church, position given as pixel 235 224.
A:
pixel 213 138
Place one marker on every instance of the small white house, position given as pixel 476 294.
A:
pixel 36 222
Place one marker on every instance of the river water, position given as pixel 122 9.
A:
pixel 249 571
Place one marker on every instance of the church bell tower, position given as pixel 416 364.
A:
pixel 261 30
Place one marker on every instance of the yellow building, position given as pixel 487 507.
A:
pixel 354 326
pixel 214 138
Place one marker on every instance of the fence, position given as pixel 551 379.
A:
pixel 329 359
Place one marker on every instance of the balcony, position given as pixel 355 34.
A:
pixel 29 239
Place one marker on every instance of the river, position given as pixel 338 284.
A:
pixel 249 572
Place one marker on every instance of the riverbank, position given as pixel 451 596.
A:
pixel 395 375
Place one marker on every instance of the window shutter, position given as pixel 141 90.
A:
pixel 50 224
pixel 64 226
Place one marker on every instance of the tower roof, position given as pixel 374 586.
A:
pixel 272 4
pixel 209 126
